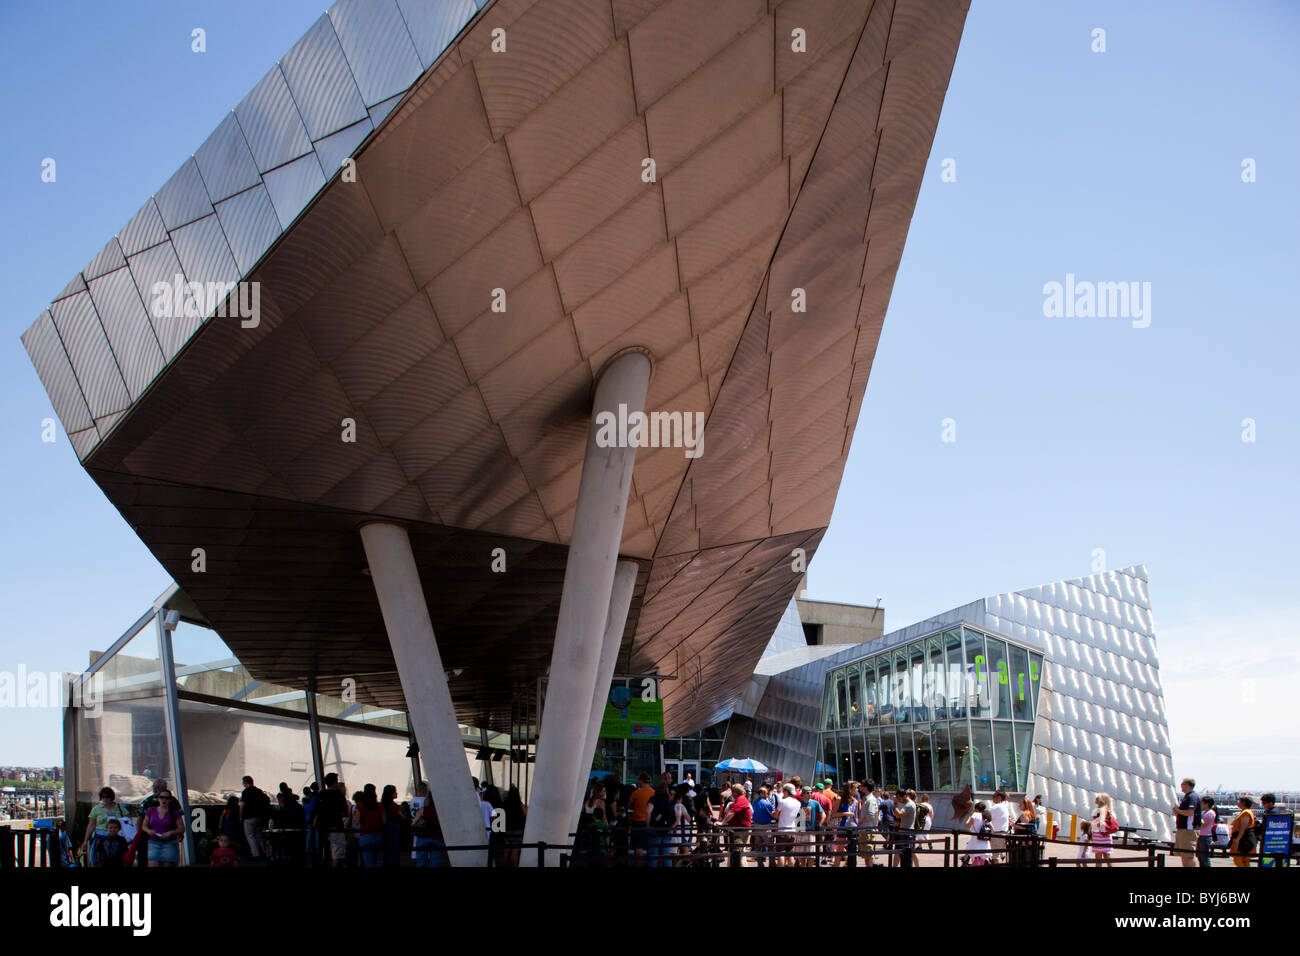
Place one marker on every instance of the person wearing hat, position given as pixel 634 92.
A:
pixel 828 800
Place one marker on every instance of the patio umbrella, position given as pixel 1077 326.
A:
pixel 742 764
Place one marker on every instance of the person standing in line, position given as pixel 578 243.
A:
pixel 368 820
pixel 905 814
pixel 981 831
pixel 887 826
pixel 925 812
pixel 846 817
pixel 789 813
pixel 327 819
pixel 1085 838
pixel 764 823
pixel 1243 842
pixel 1187 823
pixel 869 816
pixel 1103 825
pixel 1205 834
pixel 739 815
pixel 394 815
pixel 682 816
pixel 1000 815
pixel 254 809
pixel 662 818
pixel 638 808
pixel 820 820
pixel 1040 813
pixel 429 847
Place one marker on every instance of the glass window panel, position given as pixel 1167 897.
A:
pixel 982 756
pixel 855 697
pixel 1035 677
pixel 902 695
pixel 846 757
pixel 906 758
pixel 916 675
pixel 672 748
pixel 859 757
pixel 1024 750
pixel 944 769
pixel 889 754
pixel 875 770
pixel 934 668
pixel 869 692
pixel 828 709
pixel 999 678
pixel 829 766
pixel 955 681
pixel 1021 707
pixel 922 743
pixel 964 776
pixel 1004 755
pixel 710 752
pixel 977 675
pixel 884 689
pixel 841 701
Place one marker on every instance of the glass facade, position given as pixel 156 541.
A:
pixel 949 710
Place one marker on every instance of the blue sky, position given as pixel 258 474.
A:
pixel 1072 434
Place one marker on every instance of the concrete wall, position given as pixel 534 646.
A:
pixel 843 623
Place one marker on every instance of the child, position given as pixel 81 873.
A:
pixel 1205 835
pixel 597 834
pixel 109 850
pixel 224 855
pixel 1104 824
pixel 1085 835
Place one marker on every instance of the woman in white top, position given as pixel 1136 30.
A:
pixel 979 842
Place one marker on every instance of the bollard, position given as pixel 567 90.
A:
pixel 541 855
pixel 852 846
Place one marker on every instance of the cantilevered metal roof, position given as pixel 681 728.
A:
pixel 523 170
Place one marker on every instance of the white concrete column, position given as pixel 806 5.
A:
pixel 615 623
pixel 584 605
pixel 424 684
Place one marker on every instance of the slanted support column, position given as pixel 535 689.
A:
pixel 615 623
pixel 584 605
pixel 424 684
pixel 313 730
pixel 172 712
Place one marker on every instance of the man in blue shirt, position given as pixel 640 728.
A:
pixel 887 825
pixel 764 824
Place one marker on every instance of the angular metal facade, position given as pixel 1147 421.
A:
pixel 778 168
pixel 228 204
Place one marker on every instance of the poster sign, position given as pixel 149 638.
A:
pixel 632 717
pixel 1277 837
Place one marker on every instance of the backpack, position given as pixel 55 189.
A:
pixel 985 830
pixel 259 806
pixel 659 818
pixel 922 811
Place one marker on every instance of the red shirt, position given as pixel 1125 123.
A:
pixel 823 799
pixel 224 857
pixel 742 814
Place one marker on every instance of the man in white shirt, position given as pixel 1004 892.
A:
pixel 1000 817
pixel 789 811
pixel 1040 815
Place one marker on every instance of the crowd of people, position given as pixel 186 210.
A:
pixel 664 823
pixel 1197 827
pixel 658 823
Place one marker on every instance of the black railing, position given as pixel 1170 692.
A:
pixel 30 848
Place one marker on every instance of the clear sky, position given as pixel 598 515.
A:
pixel 1072 434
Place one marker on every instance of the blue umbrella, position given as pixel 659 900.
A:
pixel 742 764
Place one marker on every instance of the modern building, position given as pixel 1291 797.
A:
pixel 1053 690
pixel 349 373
